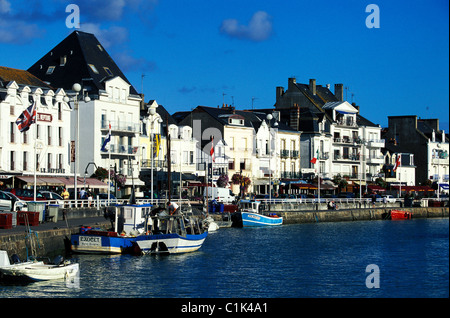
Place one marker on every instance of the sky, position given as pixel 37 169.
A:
pixel 393 58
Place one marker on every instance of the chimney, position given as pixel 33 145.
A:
pixel 294 117
pixel 279 93
pixel 312 86
pixel 356 106
pixel 339 92
pixel 291 83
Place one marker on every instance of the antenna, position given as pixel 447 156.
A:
pixel 253 99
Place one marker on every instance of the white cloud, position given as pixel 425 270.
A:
pixel 107 37
pixel 258 29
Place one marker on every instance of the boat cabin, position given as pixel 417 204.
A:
pixel 249 206
pixel 131 218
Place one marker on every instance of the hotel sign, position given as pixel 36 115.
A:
pixel 44 117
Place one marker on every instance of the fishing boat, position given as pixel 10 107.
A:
pixel 128 224
pixel 140 230
pixel 37 270
pixel 400 215
pixel 249 215
pixel 171 234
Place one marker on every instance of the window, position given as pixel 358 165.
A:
pixel 12 135
pixel 93 68
pixel 37 162
pixel 12 160
pixel 60 161
pixel 60 136
pixel 49 134
pixel 242 165
pixel 108 71
pixel 49 162
pixel 62 60
pixel 231 164
pixel 50 70
pixel 25 161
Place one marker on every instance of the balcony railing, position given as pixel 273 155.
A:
pixel 122 149
pixel 120 126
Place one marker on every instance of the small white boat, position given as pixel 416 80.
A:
pixel 210 224
pixel 36 270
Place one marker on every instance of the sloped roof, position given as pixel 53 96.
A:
pixel 72 59
pixel 21 77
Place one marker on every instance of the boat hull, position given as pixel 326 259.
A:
pixel 40 271
pixel 250 219
pixel 170 243
pixel 97 244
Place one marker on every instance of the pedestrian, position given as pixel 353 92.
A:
pixel 173 207
pixel 65 194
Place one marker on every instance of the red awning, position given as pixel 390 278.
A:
pixel 374 188
pixel 414 188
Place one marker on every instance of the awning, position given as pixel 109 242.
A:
pixel 444 186
pixel 304 186
pixel 414 188
pixel 375 187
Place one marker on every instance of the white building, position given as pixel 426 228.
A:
pixel 105 98
pixel 44 148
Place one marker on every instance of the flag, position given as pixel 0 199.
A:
pixel 314 160
pixel 397 162
pixel 107 139
pixel 211 152
pixel 27 118
pixel 156 144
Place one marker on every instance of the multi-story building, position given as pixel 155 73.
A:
pixel 42 149
pixel 333 131
pixel 104 101
pixel 424 139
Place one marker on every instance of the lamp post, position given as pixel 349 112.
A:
pixel 152 112
pixel 76 88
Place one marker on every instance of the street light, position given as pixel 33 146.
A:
pixel 76 88
pixel 152 112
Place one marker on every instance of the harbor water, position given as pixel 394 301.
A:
pixel 364 259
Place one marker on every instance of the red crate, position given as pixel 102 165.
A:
pixel 5 221
pixel 33 218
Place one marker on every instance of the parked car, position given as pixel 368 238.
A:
pixel 27 194
pixel 18 205
pixel 53 196
pixel 389 198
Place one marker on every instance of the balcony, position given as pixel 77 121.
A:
pixel 347 140
pixel 376 143
pixel 124 150
pixel 290 175
pixel 352 157
pixel 122 127
pixel 295 153
pixel 284 153
pixel 375 160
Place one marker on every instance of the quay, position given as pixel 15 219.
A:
pixel 50 237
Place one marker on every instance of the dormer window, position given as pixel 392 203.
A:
pixel 107 70
pixel 93 68
pixel 236 121
pixel 62 60
pixel 50 70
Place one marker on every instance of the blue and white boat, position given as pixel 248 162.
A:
pixel 249 215
pixel 139 230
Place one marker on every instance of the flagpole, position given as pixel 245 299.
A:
pixel 109 164
pixel 35 151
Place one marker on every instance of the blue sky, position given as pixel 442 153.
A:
pixel 193 52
